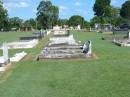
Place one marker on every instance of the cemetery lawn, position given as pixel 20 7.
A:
pixel 12 36
pixel 107 76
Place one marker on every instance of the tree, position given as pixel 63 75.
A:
pixel 16 22
pixel 76 20
pixel 87 24
pixel 3 16
pixel 118 21
pixel 30 23
pixel 47 14
pixel 54 15
pixel 114 12
pixel 125 10
pixel 101 8
pixel 95 20
pixel 62 22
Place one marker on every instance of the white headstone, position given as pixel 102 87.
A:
pixel 90 29
pixel 78 27
pixel 5 52
pixel 56 27
pixel 90 48
pixel 129 34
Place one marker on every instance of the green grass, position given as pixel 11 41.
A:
pixel 107 76
pixel 12 36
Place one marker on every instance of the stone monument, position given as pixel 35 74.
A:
pixel 5 53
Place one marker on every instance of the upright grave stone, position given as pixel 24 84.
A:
pixel 87 48
pixel 129 34
pixel 5 53
pixel 90 48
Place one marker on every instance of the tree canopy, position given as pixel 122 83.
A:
pixel 47 14
pixel 95 20
pixel 3 16
pixel 15 22
pixel 62 22
pixel 100 7
pixel 30 23
pixel 76 20
pixel 125 10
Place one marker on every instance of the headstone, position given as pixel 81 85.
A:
pixel 56 27
pixel 5 52
pixel 90 29
pixel 90 48
pixel 78 27
pixel 129 34
pixel 87 48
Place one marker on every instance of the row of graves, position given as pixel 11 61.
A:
pixel 23 43
pixel 63 46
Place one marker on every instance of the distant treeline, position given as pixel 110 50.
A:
pixel 48 16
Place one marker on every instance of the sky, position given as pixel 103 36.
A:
pixel 26 9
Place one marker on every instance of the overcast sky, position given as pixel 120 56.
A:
pixel 26 9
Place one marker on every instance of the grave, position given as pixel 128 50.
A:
pixel 69 40
pixel 23 44
pixel 5 60
pixel 78 27
pixel 65 47
pixel 35 35
pixel 105 29
pixel 122 38
pixel 61 32
pixel 18 56
pixel 57 27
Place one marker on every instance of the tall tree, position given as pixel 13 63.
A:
pixel 47 14
pixel 54 15
pixel 76 20
pixel 111 14
pixel 100 8
pixel 125 10
pixel 3 15
pixel 116 19
pixel 114 12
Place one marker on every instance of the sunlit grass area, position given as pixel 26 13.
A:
pixel 12 36
pixel 107 76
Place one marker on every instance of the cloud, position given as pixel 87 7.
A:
pixel 63 7
pixel 23 5
pixel 63 11
pixel 113 1
pixel 34 11
pixel 77 3
pixel 16 4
